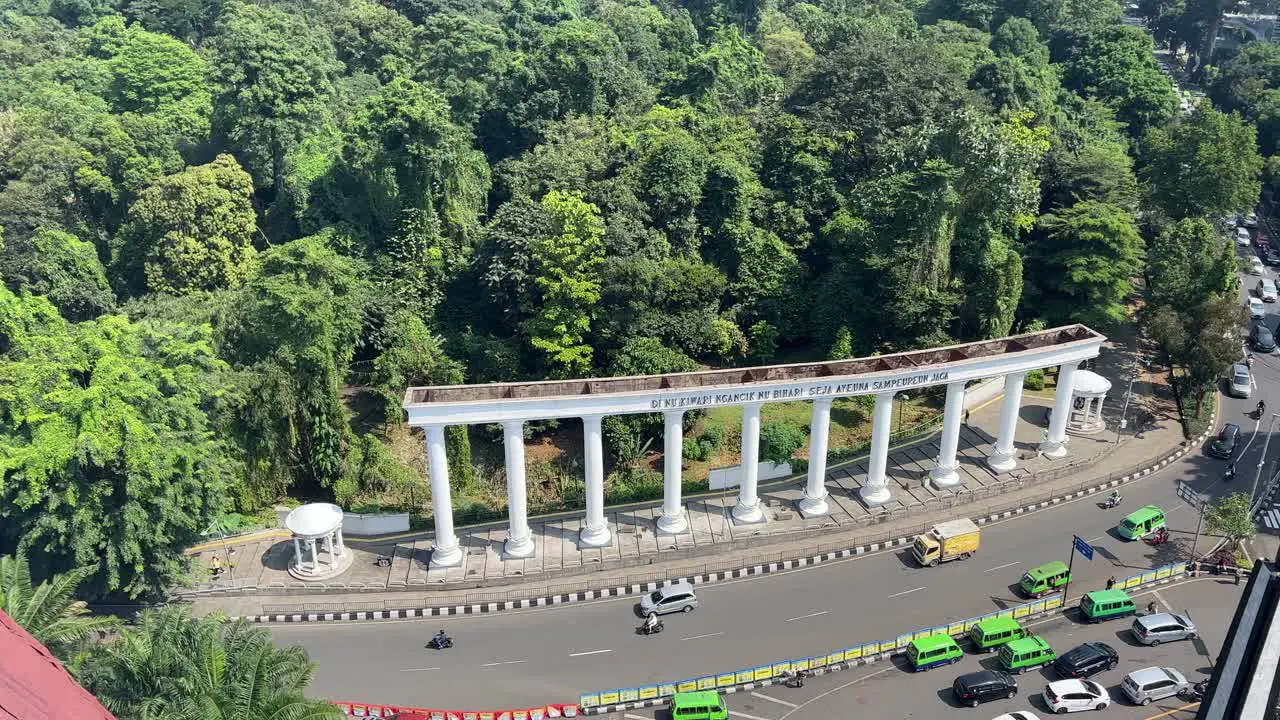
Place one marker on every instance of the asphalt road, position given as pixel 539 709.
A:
pixel 534 657
pixel 892 691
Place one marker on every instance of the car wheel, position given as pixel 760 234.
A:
pixel 966 556
pixel 1191 636
pixel 687 608
pixel 1146 701
pixel 1061 711
pixel 973 702
pixel 1155 643
pixel 1100 706
pixel 1011 694
pixel 1111 665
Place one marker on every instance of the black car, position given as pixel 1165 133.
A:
pixel 1086 660
pixel 1262 339
pixel 1224 446
pixel 1272 257
pixel 973 689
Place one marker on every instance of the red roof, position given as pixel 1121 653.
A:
pixel 34 685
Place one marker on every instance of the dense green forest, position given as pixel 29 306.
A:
pixel 234 233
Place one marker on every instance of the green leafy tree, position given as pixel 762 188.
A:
pixel 191 231
pixel 1117 65
pixel 294 329
pixel 111 449
pixel 565 284
pixel 62 268
pixel 1085 258
pixel 151 72
pixel 1189 262
pixel 1207 166
pixel 273 70
pixel 1249 83
pixel 1200 342
pixel 779 440
pixel 172 665
pixel 1231 517
pixel 49 610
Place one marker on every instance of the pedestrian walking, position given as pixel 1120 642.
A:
pixel 1111 582
pixel 966 418
pixel 216 564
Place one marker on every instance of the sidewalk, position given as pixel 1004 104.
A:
pixel 257 582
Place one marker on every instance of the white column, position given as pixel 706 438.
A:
pixel 596 531
pixel 814 502
pixel 673 520
pixel 748 508
pixel 1004 459
pixel 876 491
pixel 342 547
pixel 297 552
pixel 315 559
pixel 1055 445
pixel 445 551
pixel 328 543
pixel 946 473
pixel 519 542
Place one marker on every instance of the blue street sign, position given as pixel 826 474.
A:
pixel 1083 547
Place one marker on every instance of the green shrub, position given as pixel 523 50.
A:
pixel 779 440
pixel 713 436
pixel 1034 380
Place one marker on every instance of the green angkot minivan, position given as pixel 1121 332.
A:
pixel 994 632
pixel 1141 522
pixel 1026 654
pixel 932 651
pixel 1040 581
pixel 1102 605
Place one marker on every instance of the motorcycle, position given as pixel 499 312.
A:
pixel 1112 501
pixel 1159 538
pixel 646 630
pixel 382 561
pixel 440 642
pixel 1195 693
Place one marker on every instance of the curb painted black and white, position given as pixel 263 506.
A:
pixel 640 588
pixel 833 667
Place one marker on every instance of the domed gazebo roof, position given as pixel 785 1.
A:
pixel 1090 384
pixel 314 520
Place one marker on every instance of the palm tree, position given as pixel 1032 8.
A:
pixel 49 611
pixel 177 667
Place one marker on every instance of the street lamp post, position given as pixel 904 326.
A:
pixel 1124 412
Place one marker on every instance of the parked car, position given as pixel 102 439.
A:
pixel 1267 289
pixel 975 688
pixel 1256 267
pixel 1262 339
pixel 1162 627
pixel 1272 258
pixel 1240 384
pixel 1251 220
pixel 1086 660
pixel 676 597
pixel 1224 446
pixel 1154 683
pixel 1064 696
pixel 1257 310
pixel 1242 237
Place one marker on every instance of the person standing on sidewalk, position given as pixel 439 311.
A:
pixel 1111 582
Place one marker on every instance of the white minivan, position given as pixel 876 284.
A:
pixel 1267 290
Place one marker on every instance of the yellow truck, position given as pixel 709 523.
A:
pixel 952 540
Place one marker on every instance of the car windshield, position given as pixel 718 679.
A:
pixel 1093 687
pixel 1242 376
pixel 656 596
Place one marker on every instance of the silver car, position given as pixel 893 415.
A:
pixel 677 597
pixel 1240 384
pixel 1154 683
pixel 1162 627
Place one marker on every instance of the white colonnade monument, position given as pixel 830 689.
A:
pixel 513 404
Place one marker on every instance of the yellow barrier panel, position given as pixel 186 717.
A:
pixel 870 649
pixel 1178 568
pixel 609 698
pixel 1021 611
pixel 649 692
pixel 852 654
pixel 779 668
pixel 798 665
pixel 687 685
pixel 668 689
pixel 922 634
pixel 903 640
pixel 1163 573
pixel 957 629
pixel 1053 602
pixel 743 676
pixel 888 646
pixel 835 657
pixel 1148 577
pixel 817 662
pixel 587 701
pixel 725 680
pixel 1037 607
pixel 707 683
pixel 763 673
pixel 629 695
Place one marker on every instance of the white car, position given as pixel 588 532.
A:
pixel 1256 267
pixel 1257 310
pixel 1251 220
pixel 1066 696
pixel 1242 237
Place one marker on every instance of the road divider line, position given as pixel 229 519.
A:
pixel 802 617
pixel 1100 537
pixel 906 592
pixel 507 662
pixel 417 669
pixel 735 713
pixel 629 716
pixel 1001 567
pixel 774 699
pixel 699 637
pixel 591 652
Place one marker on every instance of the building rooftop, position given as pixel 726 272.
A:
pixel 35 686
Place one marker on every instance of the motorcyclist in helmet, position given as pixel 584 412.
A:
pixel 650 622
pixel 440 639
